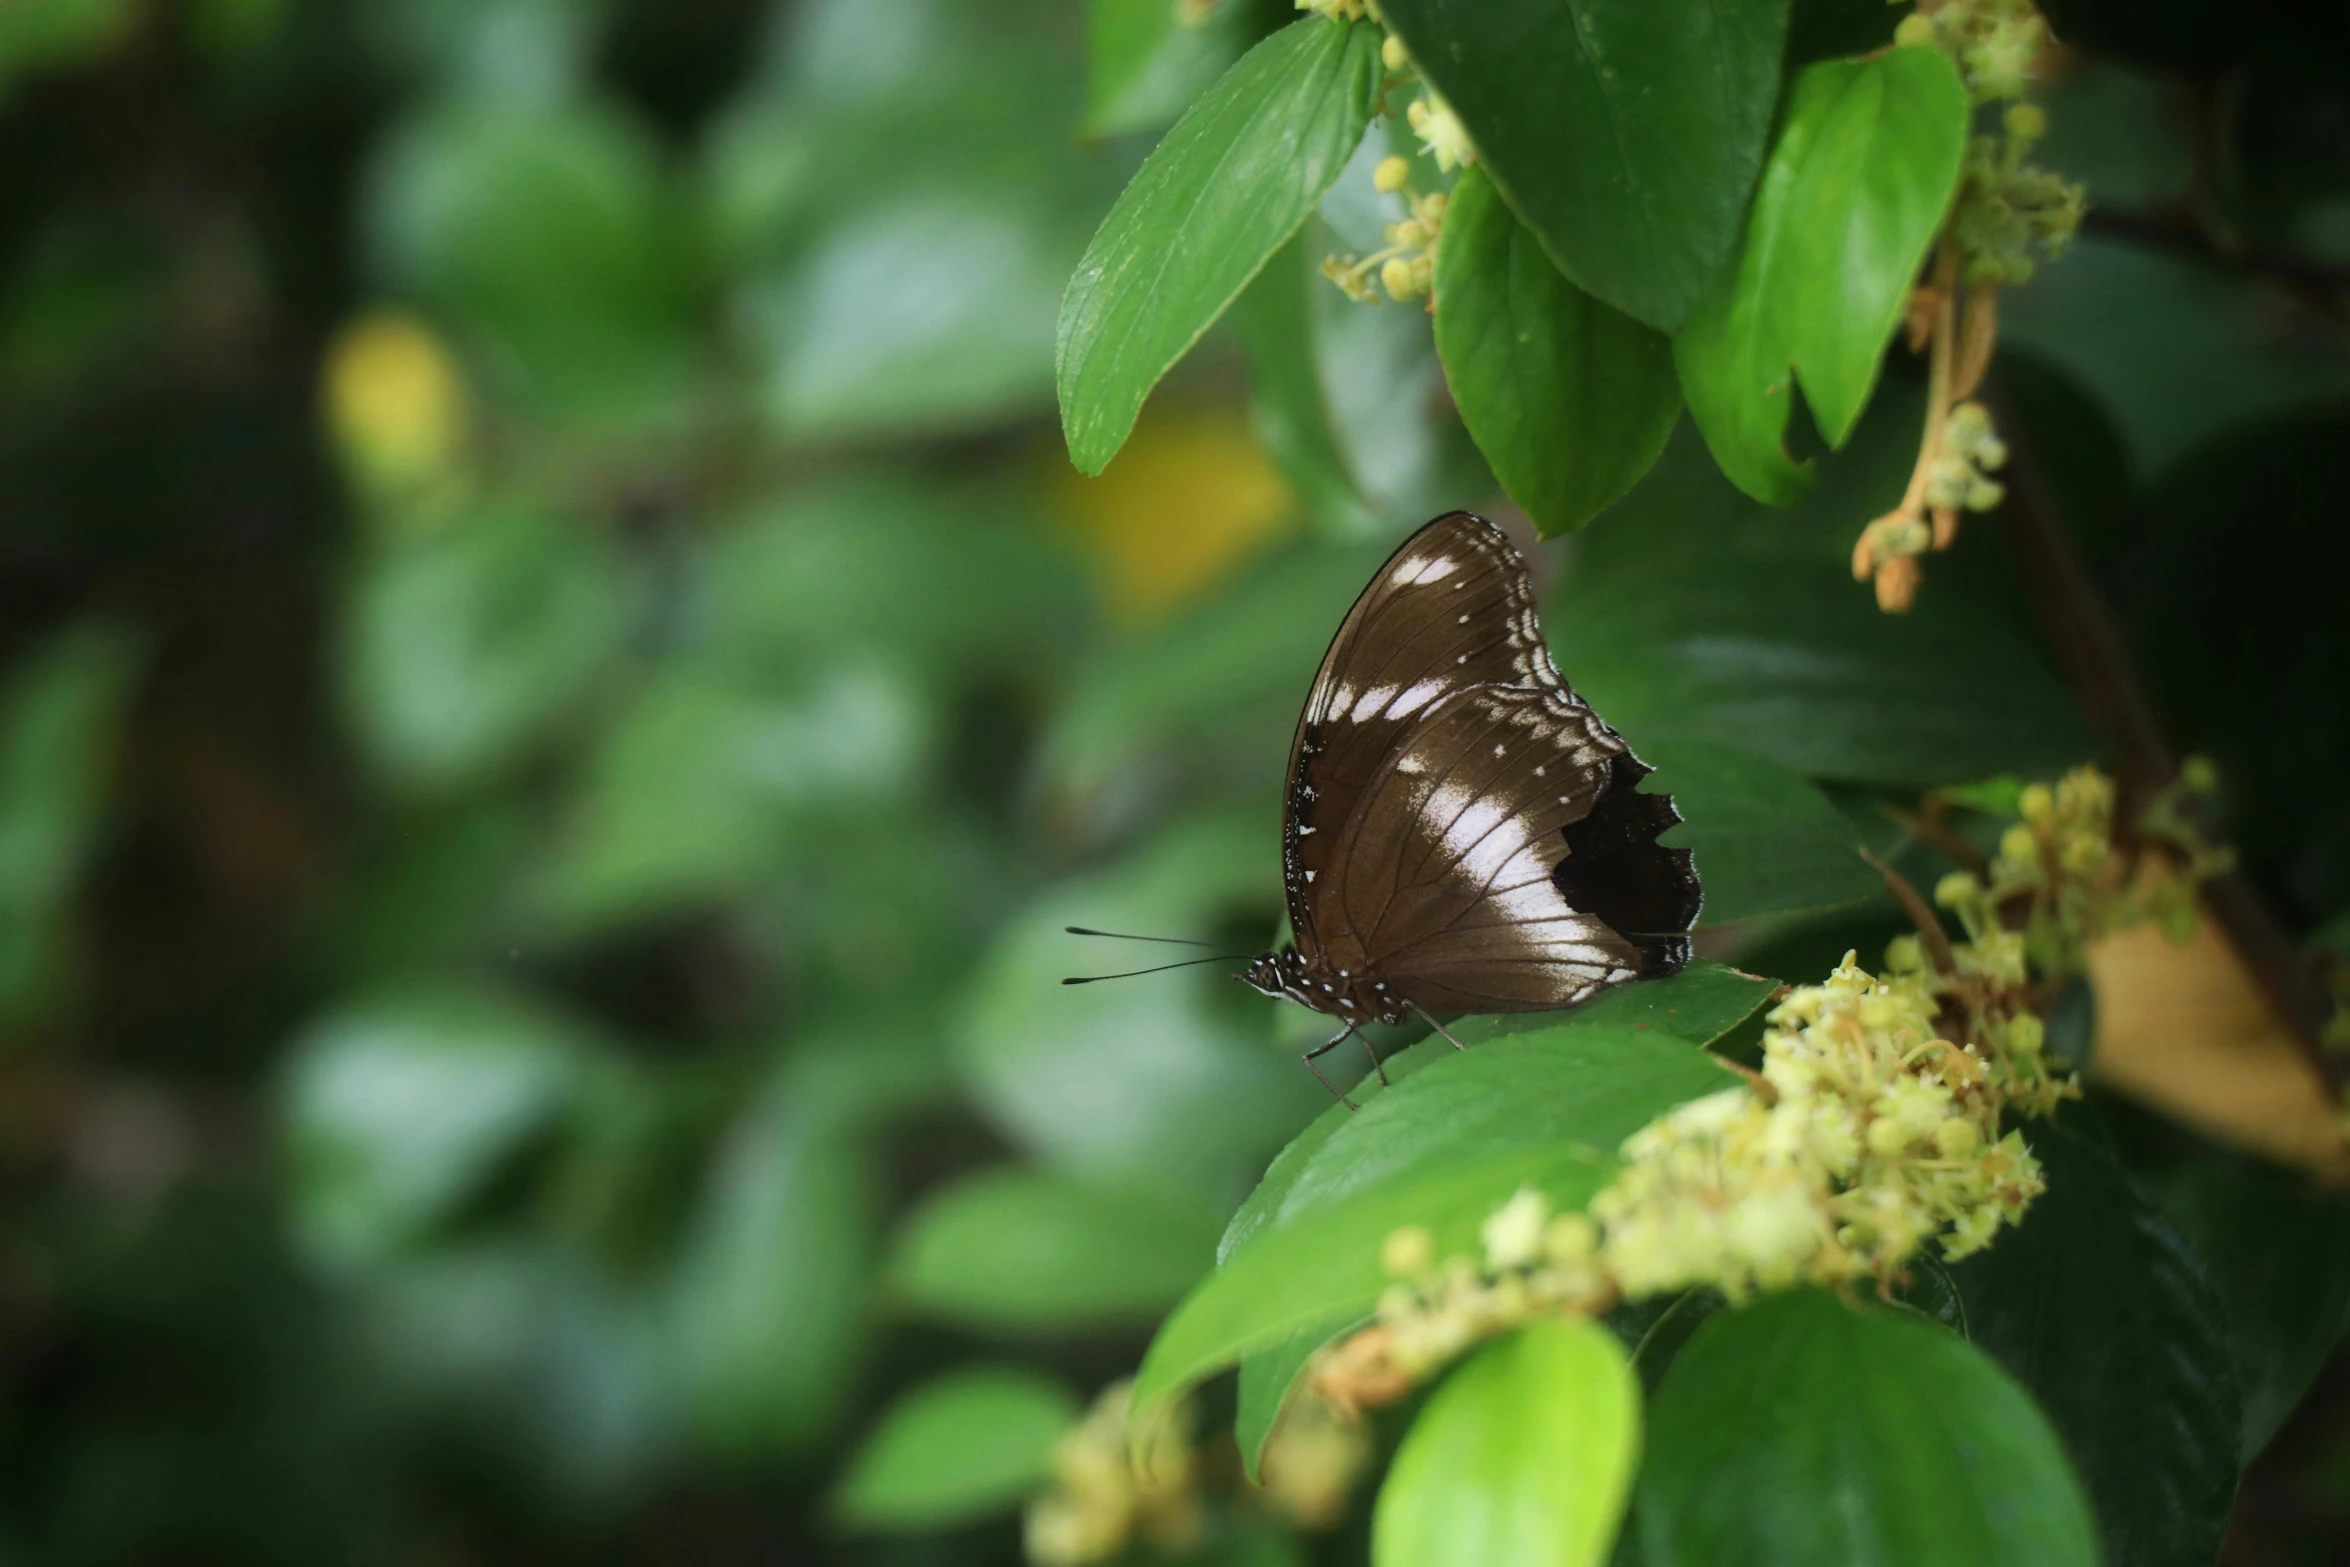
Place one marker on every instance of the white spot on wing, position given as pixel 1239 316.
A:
pixel 1433 568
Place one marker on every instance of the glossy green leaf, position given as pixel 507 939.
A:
pixel 1857 184
pixel 1026 1250
pixel 468 646
pixel 59 712
pixel 769 1305
pixel 1694 1007
pixel 1444 1147
pixel 2277 1252
pixel 398 1109
pixel 1765 840
pixel 1803 1429
pixel 1523 1458
pixel 1627 133
pixel 1231 182
pixel 1792 661
pixel 1569 400
pixel 2101 1308
pixel 970 1443
pixel 1146 60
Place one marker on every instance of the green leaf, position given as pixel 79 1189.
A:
pixel 703 781
pixel 59 712
pixel 1522 1459
pixel 1269 1376
pixel 398 1109
pixel 1696 1006
pixel 1025 1250
pixel 1215 695
pixel 1189 1095
pixel 467 647
pixel 2277 1252
pixel 1790 661
pixel 1857 184
pixel 769 1305
pixel 1765 840
pixel 1145 62
pixel 1231 182
pixel 1803 1429
pixel 954 584
pixel 2100 1307
pixel 1626 133
pixel 546 231
pixel 958 1447
pixel 1569 400
pixel 1445 1146
pixel 1276 322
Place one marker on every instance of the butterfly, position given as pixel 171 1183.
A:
pixel 1460 831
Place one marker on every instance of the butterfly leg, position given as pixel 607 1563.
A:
pixel 1324 1048
pixel 1372 1051
pixel 1439 1027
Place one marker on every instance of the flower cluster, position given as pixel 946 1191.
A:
pixel 2007 217
pixel 1407 267
pixel 2061 879
pixel 1106 1496
pixel 1953 475
pixel 1342 10
pixel 1873 1129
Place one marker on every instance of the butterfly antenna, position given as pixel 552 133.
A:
pixel 1222 957
pixel 1114 935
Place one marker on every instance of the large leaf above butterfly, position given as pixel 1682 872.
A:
pixel 1461 832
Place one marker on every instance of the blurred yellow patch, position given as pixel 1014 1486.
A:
pixel 2184 1029
pixel 395 399
pixel 1190 498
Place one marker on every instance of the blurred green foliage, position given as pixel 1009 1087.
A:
pixel 531 902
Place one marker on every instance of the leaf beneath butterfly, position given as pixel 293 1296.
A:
pixel 1442 1149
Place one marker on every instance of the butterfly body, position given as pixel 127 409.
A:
pixel 1461 832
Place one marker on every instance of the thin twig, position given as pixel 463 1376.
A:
pixel 1920 912
pixel 1928 827
pixel 2090 652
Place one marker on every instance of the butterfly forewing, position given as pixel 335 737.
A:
pixel 1449 610
pixel 1459 822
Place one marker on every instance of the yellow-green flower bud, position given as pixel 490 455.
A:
pixel 1956 888
pixel 1391 54
pixel 2020 844
pixel 1957 1138
pixel 1408 1252
pixel 1915 32
pixel 1408 233
pixel 2026 121
pixel 1887 1137
pixel 1400 280
pixel 1393 172
pixel 1570 1238
pixel 2037 804
pixel 2197 775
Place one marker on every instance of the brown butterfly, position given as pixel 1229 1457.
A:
pixel 1461 832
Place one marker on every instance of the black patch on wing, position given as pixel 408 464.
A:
pixel 1615 869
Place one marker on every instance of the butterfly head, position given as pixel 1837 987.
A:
pixel 1278 974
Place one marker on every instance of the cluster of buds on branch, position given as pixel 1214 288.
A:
pixel 1877 1125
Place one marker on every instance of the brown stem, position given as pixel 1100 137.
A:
pixel 2089 650
pixel 1927 826
pixel 1920 912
